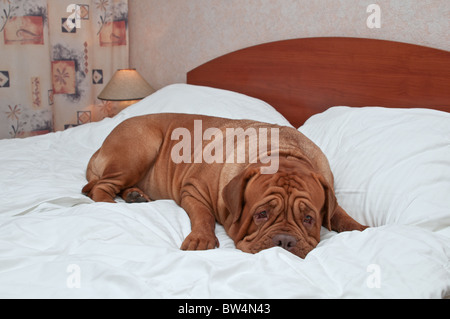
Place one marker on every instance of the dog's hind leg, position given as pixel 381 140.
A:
pixel 134 195
pixel 123 160
pixel 97 187
pixel 119 177
pixel 106 188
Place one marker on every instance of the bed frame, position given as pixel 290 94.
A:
pixel 303 77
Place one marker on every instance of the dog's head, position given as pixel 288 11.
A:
pixel 285 209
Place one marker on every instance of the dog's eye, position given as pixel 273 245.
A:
pixel 308 219
pixel 261 215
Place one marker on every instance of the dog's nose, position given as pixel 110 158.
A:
pixel 284 241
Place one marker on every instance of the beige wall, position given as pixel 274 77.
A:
pixel 170 37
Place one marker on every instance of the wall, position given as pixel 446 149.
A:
pixel 170 37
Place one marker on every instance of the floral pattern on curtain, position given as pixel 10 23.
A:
pixel 55 58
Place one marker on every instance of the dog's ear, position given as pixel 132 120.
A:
pixel 334 216
pixel 330 206
pixel 233 192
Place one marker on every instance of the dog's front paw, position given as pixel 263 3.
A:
pixel 200 241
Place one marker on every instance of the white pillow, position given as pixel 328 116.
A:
pixel 391 166
pixel 192 99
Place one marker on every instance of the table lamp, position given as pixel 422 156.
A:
pixel 126 86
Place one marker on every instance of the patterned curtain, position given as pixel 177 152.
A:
pixel 55 58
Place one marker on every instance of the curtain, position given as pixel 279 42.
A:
pixel 55 58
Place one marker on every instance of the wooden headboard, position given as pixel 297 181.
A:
pixel 303 77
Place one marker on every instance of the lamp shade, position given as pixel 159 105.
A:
pixel 126 85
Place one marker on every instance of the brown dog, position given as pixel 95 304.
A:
pixel 217 170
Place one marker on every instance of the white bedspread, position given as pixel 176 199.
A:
pixel 57 243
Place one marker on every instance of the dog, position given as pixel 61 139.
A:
pixel 276 192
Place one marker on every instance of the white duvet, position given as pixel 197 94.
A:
pixel 57 243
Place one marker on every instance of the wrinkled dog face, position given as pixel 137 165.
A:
pixel 285 210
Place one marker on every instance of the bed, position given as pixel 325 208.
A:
pixel 378 109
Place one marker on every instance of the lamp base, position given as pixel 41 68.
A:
pixel 115 107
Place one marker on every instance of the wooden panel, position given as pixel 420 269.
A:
pixel 303 77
